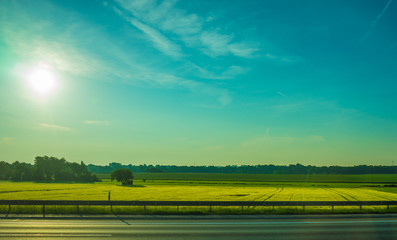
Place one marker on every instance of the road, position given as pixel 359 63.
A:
pixel 267 227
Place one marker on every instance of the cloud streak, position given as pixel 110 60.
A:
pixel 189 28
pixel 67 55
pixel 6 140
pixel 230 73
pixel 170 81
pixel 374 23
pixel 60 55
pixel 55 127
pixel 282 94
pixel 158 40
pixel 93 122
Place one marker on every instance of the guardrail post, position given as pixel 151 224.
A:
pixel 9 208
pixel 242 208
pixel 387 207
pixel 361 207
pixel 177 208
pixel 332 207
pixel 273 208
pixel 210 208
pixel 43 210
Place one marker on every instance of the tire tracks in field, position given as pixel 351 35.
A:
pixel 41 190
pixel 382 196
pixel 332 193
pixel 274 193
pixel 341 195
pixel 387 198
pixel 356 199
pixel 261 196
pixel 290 197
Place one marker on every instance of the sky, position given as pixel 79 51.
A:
pixel 199 82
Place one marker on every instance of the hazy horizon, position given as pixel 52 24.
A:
pixel 199 82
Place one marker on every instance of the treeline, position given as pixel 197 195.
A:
pixel 46 169
pixel 247 169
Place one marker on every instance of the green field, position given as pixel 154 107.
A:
pixel 364 178
pixel 212 187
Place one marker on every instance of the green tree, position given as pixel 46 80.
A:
pixel 123 175
pixel 55 169
pixel 5 170
pixel 22 171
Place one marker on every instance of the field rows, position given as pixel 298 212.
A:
pixel 99 191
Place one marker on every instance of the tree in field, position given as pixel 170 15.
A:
pixel 123 175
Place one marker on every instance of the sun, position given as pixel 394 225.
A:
pixel 42 80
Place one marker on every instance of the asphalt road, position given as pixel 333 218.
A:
pixel 285 227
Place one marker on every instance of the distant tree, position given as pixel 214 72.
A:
pixel 123 175
pixel 22 171
pixel 5 170
pixel 154 170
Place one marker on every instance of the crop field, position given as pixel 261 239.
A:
pixel 362 178
pixel 99 191
pixel 153 189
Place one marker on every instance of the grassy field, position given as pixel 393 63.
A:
pixel 219 187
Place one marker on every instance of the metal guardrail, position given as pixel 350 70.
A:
pixel 209 204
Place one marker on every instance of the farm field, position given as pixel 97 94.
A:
pixel 213 187
pixel 82 191
pixel 216 189
pixel 362 178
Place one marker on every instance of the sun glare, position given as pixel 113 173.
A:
pixel 42 81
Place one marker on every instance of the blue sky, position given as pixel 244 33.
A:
pixel 200 82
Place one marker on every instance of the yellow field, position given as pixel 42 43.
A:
pixel 99 191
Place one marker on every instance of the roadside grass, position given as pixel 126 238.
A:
pixel 191 210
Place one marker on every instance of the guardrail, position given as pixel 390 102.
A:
pixel 209 204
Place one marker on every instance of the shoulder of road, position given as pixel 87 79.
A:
pixel 192 217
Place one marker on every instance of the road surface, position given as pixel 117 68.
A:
pixel 267 227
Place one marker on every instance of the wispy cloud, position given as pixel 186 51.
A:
pixel 374 23
pixel 316 138
pixel 214 148
pixel 70 54
pixel 189 28
pixel 55 127
pixel 242 49
pixel 93 122
pixel 282 59
pixel 60 54
pixel 282 94
pixel 216 44
pixel 230 73
pixel 6 140
pixel 159 41
pixel 171 81
pixel 266 140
